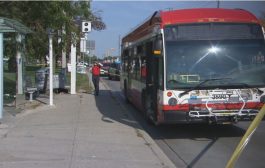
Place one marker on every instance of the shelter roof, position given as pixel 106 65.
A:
pixel 11 25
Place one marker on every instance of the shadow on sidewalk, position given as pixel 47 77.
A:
pixel 112 111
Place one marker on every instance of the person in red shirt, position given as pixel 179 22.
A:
pixel 95 77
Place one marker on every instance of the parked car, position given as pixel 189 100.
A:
pixel 82 63
pixel 103 72
pixel 114 71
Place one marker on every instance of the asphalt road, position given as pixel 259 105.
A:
pixel 201 145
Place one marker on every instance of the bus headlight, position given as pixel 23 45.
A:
pixel 246 96
pixel 172 101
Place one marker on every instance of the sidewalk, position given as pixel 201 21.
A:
pixel 80 131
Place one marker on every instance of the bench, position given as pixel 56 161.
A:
pixel 31 91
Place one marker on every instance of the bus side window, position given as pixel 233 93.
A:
pixel 143 69
pixel 125 60
pixel 137 68
pixel 140 49
pixel 130 61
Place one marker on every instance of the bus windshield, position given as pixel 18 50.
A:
pixel 239 59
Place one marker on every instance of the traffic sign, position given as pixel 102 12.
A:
pixel 86 27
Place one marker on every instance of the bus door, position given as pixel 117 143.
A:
pixel 152 79
pixel 154 74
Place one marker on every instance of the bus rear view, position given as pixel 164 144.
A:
pixel 213 67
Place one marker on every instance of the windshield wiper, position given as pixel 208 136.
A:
pixel 200 84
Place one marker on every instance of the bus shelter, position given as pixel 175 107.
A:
pixel 12 26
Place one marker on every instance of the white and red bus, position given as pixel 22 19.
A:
pixel 195 65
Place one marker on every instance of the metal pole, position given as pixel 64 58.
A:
pixel 83 53
pixel 1 75
pixel 246 138
pixel 63 52
pixel 73 66
pixel 51 69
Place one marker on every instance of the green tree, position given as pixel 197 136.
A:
pixel 41 15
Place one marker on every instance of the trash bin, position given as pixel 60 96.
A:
pixel 55 81
pixel 62 80
pixel 41 79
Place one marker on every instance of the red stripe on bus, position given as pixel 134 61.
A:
pixel 179 107
pixel 217 106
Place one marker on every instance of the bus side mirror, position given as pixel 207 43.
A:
pixel 158 45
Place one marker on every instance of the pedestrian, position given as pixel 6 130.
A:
pixel 95 77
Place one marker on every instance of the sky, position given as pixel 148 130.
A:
pixel 121 17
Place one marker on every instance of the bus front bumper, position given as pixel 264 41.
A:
pixel 220 116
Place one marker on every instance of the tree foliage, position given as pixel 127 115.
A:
pixel 41 15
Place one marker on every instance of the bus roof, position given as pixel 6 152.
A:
pixel 184 16
pixel 206 15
